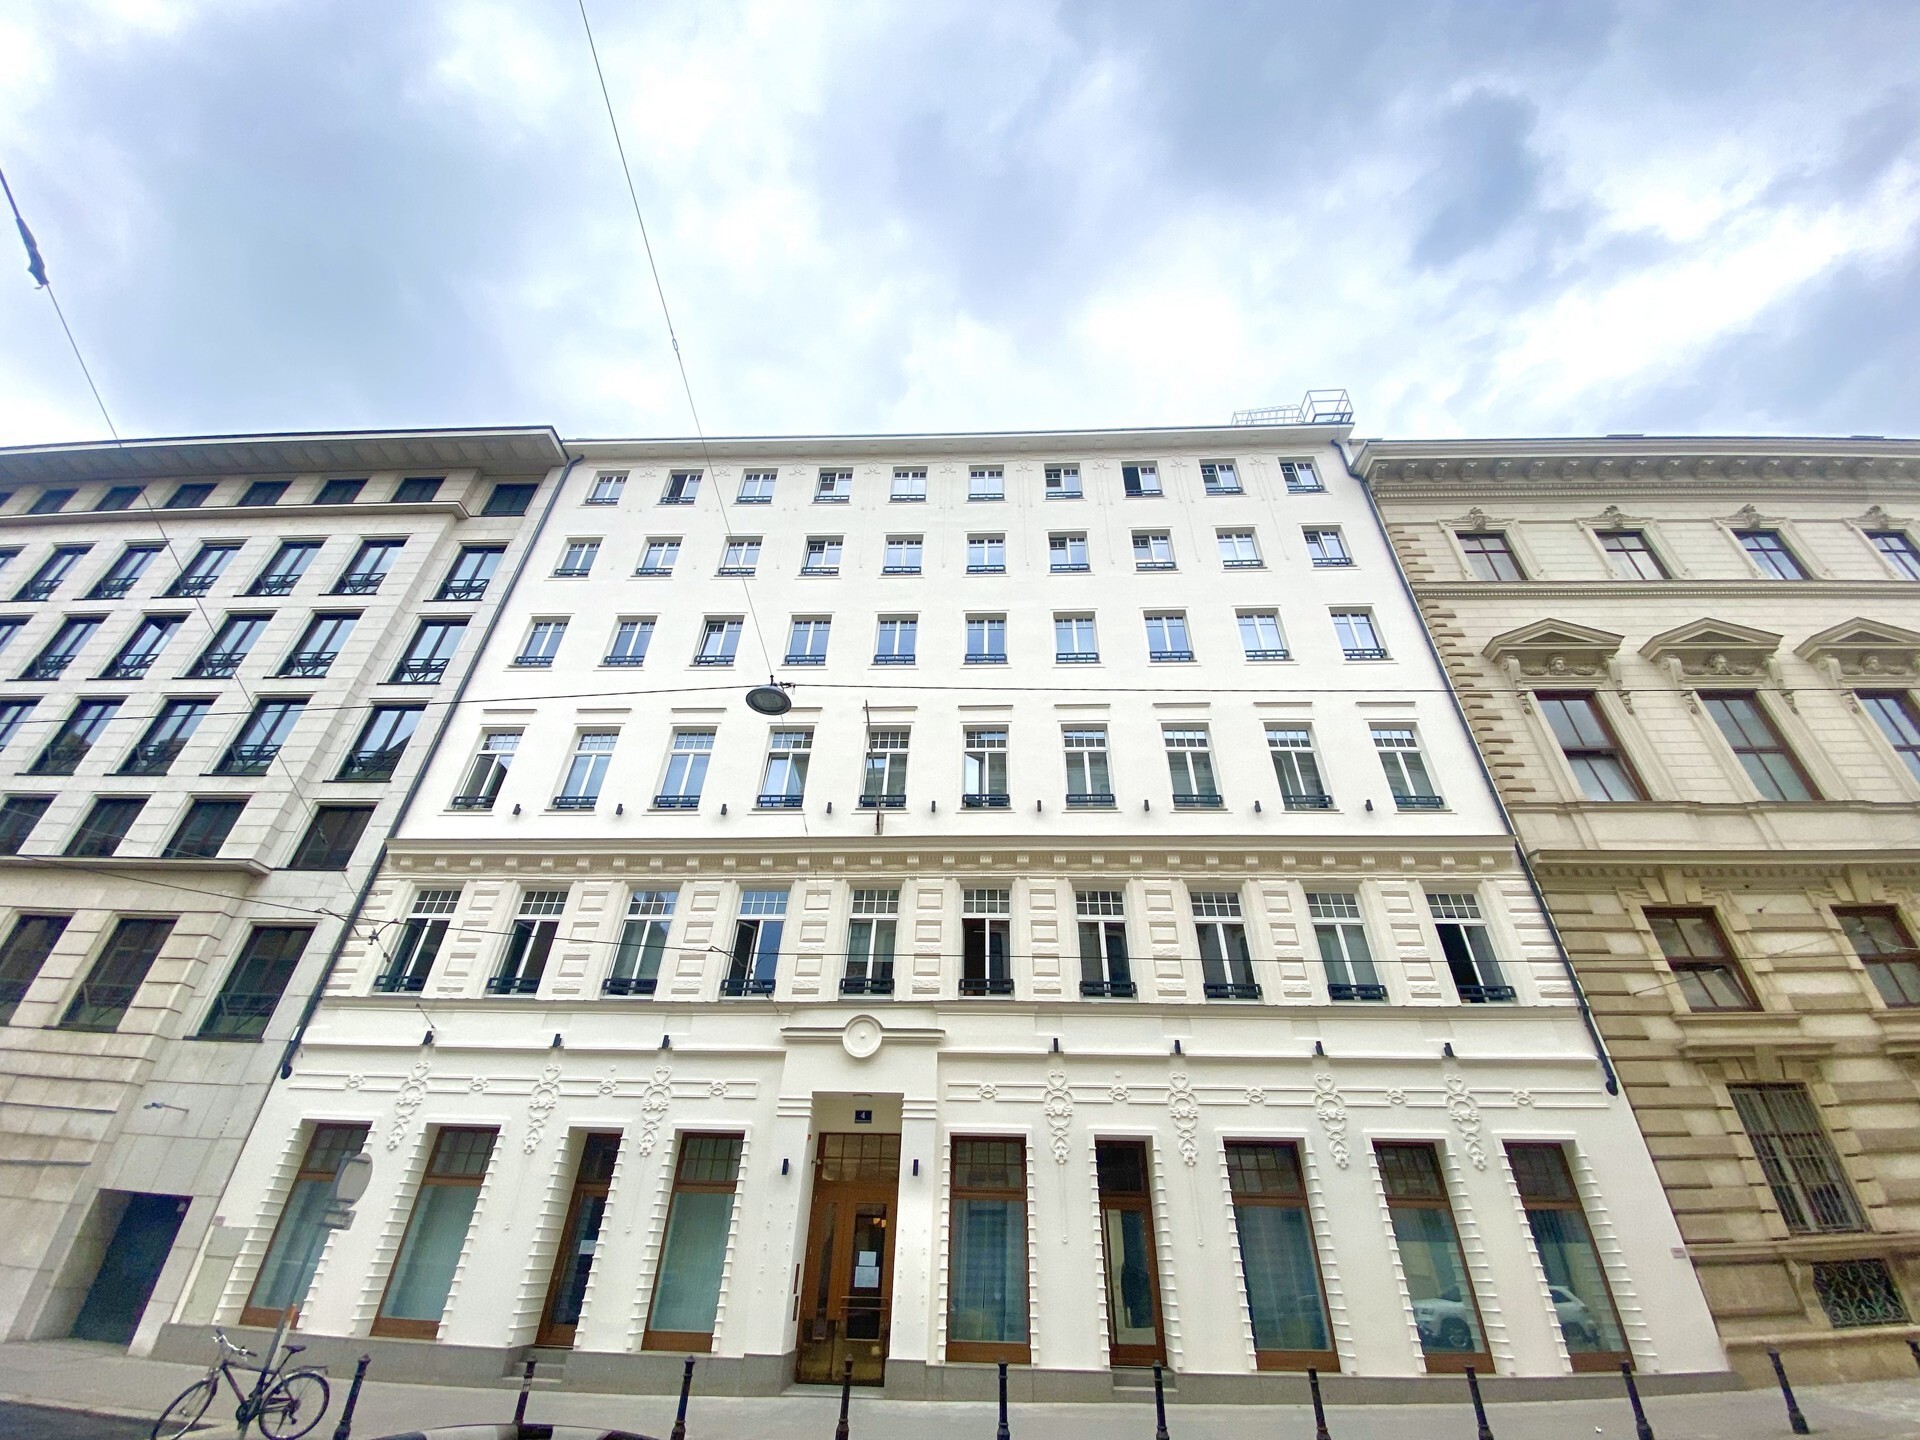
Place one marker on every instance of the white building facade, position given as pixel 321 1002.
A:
pixel 1114 956
pixel 222 663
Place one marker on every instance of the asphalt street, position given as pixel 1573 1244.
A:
pixel 42 1422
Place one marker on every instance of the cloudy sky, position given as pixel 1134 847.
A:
pixel 1481 218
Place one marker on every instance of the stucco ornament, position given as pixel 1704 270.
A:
pixel 1331 1111
pixel 1256 1096
pixel 653 1107
pixel 540 1103
pixel 1057 1105
pixel 1185 1111
pixel 413 1090
pixel 862 1036
pixel 1465 1115
pixel 989 1091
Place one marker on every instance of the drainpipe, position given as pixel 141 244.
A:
pixel 420 774
pixel 1519 850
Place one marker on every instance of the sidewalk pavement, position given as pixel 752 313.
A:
pixel 105 1379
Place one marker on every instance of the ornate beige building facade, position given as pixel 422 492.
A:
pixel 1691 667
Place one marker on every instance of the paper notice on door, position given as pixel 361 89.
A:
pixel 866 1269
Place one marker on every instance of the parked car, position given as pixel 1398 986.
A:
pixel 526 1430
pixel 1445 1321
pixel 1576 1320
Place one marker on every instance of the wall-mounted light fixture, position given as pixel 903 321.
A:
pixel 556 1043
pixel 783 1164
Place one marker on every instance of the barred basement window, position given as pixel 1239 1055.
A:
pixel 1858 1292
pixel 1797 1158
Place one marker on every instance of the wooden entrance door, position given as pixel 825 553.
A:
pixel 1134 1334
pixel 846 1286
pixel 579 1238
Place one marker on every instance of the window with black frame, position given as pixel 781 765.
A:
pixel 253 987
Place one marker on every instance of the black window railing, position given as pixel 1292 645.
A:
pixel 1295 488
pixel 866 984
pixel 189 586
pixel 832 499
pixel 654 570
pixel 713 659
pixel 1108 989
pixel 1331 562
pixel 899 569
pixel 805 659
pixel 999 658
pixel 365 584
pixel 1153 564
pixel 989 495
pixel 1169 657
pixel 735 571
pixel 246 760
pixel 110 590
pixel 986 800
pixel 1090 799
pixel 463 590
pixel 308 663
pixel 819 569
pixel 98 1006
pixel 419 672
pixel 883 802
pixel 391 982
pixel 1268 655
pixel 369 765
pixel 575 572
pixel 986 569
pixel 1069 567
pixel 1231 990
pixel 629 985
pixel 153 757
pixel 1297 800
pixel 986 985
pixel 1346 990
pixel 753 500
pixel 746 985
pixel 37 590
pixel 1483 994
pixel 575 802
pixel 1197 801
pixel 1077 657
pixel 217 665
pixel 676 499
pixel 62 756
pixel 471 802
pixel 1253 564
pixel 1225 490
pixel 1363 652
pixel 237 1015
pixel 676 802
pixel 899 659
pixel 46 667
pixel 534 662
pixel 273 585
pixel 514 985
pixel 1420 802
pixel 629 661
pixel 131 667
pixel 777 802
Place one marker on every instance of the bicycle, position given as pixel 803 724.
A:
pixel 285 1403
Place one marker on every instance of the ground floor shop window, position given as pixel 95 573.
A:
pixel 1277 1257
pixel 987 1289
pixel 686 1294
pixel 1582 1303
pixel 1444 1308
pixel 300 1237
pixel 422 1274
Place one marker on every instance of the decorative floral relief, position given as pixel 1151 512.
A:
pixel 653 1107
pixel 546 1095
pixel 1185 1111
pixel 1058 1107
pixel 1256 1096
pixel 717 1088
pixel 354 1082
pixel 1523 1097
pixel 989 1091
pixel 478 1084
pixel 1466 1119
pixel 413 1090
pixel 1396 1096
pixel 608 1086
pixel 1331 1111
pixel 1118 1093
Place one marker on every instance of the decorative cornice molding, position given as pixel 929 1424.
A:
pixel 1714 649
pixel 1650 465
pixel 1861 649
pixel 1553 649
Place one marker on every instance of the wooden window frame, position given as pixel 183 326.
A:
pixel 1328 1359
pixel 1726 959
pixel 430 1329
pixel 1439 1362
pixel 1587 1360
pixel 261 1315
pixel 983 1351
pixel 689 1342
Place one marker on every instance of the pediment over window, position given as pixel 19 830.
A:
pixel 1714 648
pixel 1549 648
pixel 1864 649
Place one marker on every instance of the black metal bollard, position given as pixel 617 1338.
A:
pixel 686 1388
pixel 526 1388
pixel 1479 1409
pixel 1159 1407
pixel 846 1394
pixel 1796 1422
pixel 344 1430
pixel 1319 1410
pixel 1003 1433
pixel 1913 1349
pixel 1642 1429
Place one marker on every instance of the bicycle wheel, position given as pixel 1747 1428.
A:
pixel 185 1411
pixel 293 1405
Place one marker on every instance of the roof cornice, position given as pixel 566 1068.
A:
pixel 517 449
pixel 1618 463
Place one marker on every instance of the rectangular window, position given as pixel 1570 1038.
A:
pixel 1631 557
pixel 283 572
pixel 784 785
pixel 339 492
pixel 368 568
pixel 586 770
pixel 417 489
pixel 75 737
pixel 203 829
pixel 1896 547
pixel 1444 1309
pixel 1238 550
pixel 1067 553
pixel 1696 950
pixel 488 771
pixel 190 496
pixel 227 651
pixel 719 641
pixel 986 482
pixel 1074 642
pixel 986 942
pixel 986 640
pixel 1297 768
pixel 883 783
pixel 1399 750
pixel 1152 550
pixel 119 970
pixel 1327 548
pixel 59 652
pixel 10 626
pixel 756 487
pixel 1885 946
pixel 1587 742
pixel 909 484
pixel 1104 968
pixel 1141 478
pixel 1894 713
pixel 1167 639
pixel 1226 962
pixel 895 640
pixel 870 942
pixel 686 770
pixel 542 644
pixel 983 768
pixel 261 737
pixel 834 487
pixel 643 944
pixel 50 502
pixel 143 647
pixel 1798 1159
pixel 204 569
pixel 298 1239
pixel 755 961
pixel 630 641
pixel 1576 1281
pixel 1489 556
pixel 418 944
pixel 1358 639
pixel 509 499
pixel 423 1271
pixel 576 560
pixel 319 647
pixel 1190 763
pixel 331 837
pixel 263 492
pixel 12 714
pixel 1063 482
pixel 1219 477
pixel 1089 777
pixel 1300 477
pixel 606 487
pixel 105 826
pixel 470 573
pixel 1278 1259
pixel 18 815
pixel 807 642
pixel 1341 935
pixel 658 556
pixel 1770 554
pixel 823 555
pixel 383 740
pixel 427 657
pixel 120 497
pixel 987 1276
pixel 1858 1292
pixel 1123 1170
pixel 253 987
pixel 986 554
pixel 54 569
pixel 529 943
pixel 902 555
pixel 693 1252
pixel 741 556
pixel 1260 636
pixel 27 947
pixel 124 573
pixel 1763 754
pixel 1468 948
pixel 683 487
